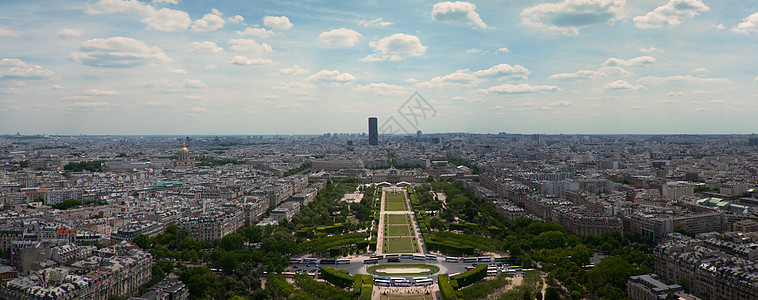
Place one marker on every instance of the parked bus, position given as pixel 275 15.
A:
pixel 402 283
pixel 377 256
pixel 452 259
pixel 431 257
pixel 371 261
pixel 393 259
pixel 343 261
pixel 381 282
pixel 328 261
pixel 398 279
pixel 288 274
pixel 406 256
pixel 491 272
pixel 310 260
pixel 419 257
pixel 296 261
pixel 381 278
pixel 423 282
pixel 485 259
pixel 470 259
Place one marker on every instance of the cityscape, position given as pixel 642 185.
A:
pixel 419 150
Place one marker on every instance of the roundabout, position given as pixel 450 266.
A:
pixel 403 269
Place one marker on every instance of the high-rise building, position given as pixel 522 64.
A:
pixel 373 134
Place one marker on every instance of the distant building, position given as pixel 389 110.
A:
pixel 649 287
pixel 183 159
pixel 373 133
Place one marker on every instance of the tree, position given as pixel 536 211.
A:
pixel 551 240
pixel 143 241
pixel 581 254
pixel 551 293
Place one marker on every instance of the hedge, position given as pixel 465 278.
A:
pixel 446 290
pixel 320 290
pixel 471 276
pixel 339 278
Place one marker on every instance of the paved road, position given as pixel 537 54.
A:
pixel 357 266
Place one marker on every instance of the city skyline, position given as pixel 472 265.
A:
pixel 127 67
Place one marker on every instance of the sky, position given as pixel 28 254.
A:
pixel 312 67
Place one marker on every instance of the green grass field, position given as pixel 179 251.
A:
pixel 398 230
pixel 395 206
pixel 395 202
pixel 406 297
pixel 397 219
pixel 400 245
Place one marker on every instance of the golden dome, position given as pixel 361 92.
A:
pixel 184 148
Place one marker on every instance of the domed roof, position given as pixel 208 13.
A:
pixel 184 148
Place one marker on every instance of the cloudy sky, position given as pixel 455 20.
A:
pixel 310 67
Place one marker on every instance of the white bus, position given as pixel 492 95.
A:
pixel 343 261
pixel 370 261
pixel 402 283
pixel 451 259
pixel 296 261
pixel 310 260
pixel 431 257
pixel 419 257
pixel 470 259
pixel 382 282
pixel 423 282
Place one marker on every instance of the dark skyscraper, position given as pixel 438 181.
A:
pixel 373 135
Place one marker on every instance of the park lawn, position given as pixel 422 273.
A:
pixel 400 245
pixel 406 297
pixel 398 230
pixel 397 219
pixel 394 198
pixel 395 206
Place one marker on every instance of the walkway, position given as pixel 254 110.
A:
pixel 409 211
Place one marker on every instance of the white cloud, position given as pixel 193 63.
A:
pixel 167 20
pixel 568 16
pixel 675 94
pixel 68 32
pixel 614 70
pixel 378 22
pixel 166 2
pixel 341 37
pixel 457 12
pixel 700 70
pixel 650 50
pixel 561 103
pixel 58 87
pixel 294 70
pixel 249 45
pixel 178 71
pixel 620 85
pixel 280 23
pixel 458 78
pixel 683 79
pixel 96 92
pixel 237 19
pixel 206 47
pixel 198 109
pixel 16 69
pixel 503 49
pixel 245 61
pixel 382 88
pixel 259 32
pixel 504 71
pixel 578 75
pixel 756 79
pixel 524 88
pixel 117 52
pixel 473 51
pixel 463 78
pixel 396 47
pixel 671 14
pixel 164 19
pixel 209 22
pixel 117 6
pixel 720 26
pixel 749 25
pixel 88 105
pixel 194 84
pixel 642 60
pixel 9 32
pixel 332 76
